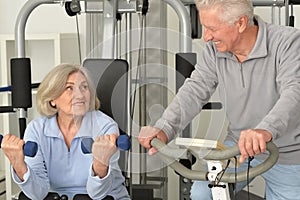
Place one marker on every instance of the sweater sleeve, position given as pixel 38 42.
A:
pixel 36 183
pixel 113 183
pixel 284 116
pixel 194 93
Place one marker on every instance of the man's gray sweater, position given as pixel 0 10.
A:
pixel 263 92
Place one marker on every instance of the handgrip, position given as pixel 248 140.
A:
pixel 30 148
pixel 163 150
pixel 123 143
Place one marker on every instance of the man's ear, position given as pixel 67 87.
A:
pixel 242 23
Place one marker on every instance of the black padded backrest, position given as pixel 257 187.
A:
pixel 111 79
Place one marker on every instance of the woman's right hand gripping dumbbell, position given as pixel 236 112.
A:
pixel 12 147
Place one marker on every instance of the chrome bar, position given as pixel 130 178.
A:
pixel 255 2
pixel 184 23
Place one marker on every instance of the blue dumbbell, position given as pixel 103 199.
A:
pixel 29 148
pixel 123 143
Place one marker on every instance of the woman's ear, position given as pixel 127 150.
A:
pixel 52 104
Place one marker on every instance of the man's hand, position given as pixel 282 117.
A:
pixel 253 142
pixel 147 133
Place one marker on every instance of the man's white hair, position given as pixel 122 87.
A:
pixel 230 10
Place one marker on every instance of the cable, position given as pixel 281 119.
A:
pixel 248 181
pixel 145 7
pixel 138 69
pixel 78 38
pixel 221 173
pixel 235 177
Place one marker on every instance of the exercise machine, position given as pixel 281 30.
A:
pixel 215 158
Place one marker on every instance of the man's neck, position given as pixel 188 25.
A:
pixel 247 42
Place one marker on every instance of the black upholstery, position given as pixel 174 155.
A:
pixel 55 196
pixel 111 79
pixel 50 196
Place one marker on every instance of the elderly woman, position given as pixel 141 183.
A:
pixel 67 101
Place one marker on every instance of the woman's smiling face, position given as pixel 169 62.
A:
pixel 75 99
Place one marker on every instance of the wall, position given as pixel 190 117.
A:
pixel 46 18
pixel 43 19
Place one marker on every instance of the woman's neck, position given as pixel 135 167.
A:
pixel 69 127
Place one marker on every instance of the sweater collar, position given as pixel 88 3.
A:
pixel 54 131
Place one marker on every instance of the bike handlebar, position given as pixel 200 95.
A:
pixel 215 154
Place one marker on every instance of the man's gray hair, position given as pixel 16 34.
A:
pixel 230 10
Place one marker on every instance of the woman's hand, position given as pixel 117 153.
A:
pixel 104 147
pixel 253 142
pixel 147 133
pixel 12 147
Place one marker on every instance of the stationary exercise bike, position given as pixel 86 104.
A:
pixel 217 159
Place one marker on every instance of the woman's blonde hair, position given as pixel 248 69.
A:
pixel 231 10
pixel 53 86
